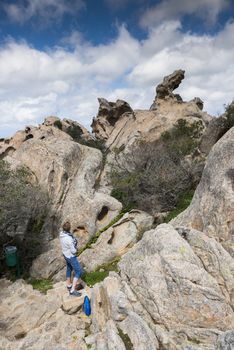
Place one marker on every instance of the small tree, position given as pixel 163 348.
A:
pixel 23 208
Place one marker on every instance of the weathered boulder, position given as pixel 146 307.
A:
pixel 108 114
pixel 117 240
pixel 34 321
pixel 211 210
pixel 175 291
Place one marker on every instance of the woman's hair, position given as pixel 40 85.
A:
pixel 67 226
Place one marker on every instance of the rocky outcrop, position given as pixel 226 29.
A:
pixel 121 127
pixel 166 88
pixel 71 127
pixel 68 171
pixel 211 210
pixel 117 240
pixel 64 129
pixel 108 114
pixel 175 291
pixel 31 320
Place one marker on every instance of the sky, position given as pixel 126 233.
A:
pixel 58 56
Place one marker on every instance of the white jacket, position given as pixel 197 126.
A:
pixel 67 245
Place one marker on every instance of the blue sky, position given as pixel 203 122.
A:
pixel 58 56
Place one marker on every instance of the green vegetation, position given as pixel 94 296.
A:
pixel 94 277
pixel 91 278
pixel 126 340
pixel 58 124
pixel 23 208
pixel 42 285
pixel 155 175
pixel 182 204
pixel 75 132
pixel 95 143
pixel 96 236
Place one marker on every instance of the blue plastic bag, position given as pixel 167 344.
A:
pixel 87 306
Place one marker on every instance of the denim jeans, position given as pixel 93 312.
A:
pixel 73 264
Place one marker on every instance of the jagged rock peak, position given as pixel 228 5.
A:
pixel 108 114
pixel 169 84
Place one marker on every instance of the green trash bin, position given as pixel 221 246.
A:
pixel 11 256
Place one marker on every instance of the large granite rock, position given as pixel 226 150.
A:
pixel 211 210
pixel 34 321
pixel 175 291
pixel 68 172
pixel 117 240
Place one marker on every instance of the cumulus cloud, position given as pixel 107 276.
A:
pixel 22 11
pixel 170 9
pixel 36 83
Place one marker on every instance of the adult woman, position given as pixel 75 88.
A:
pixel 69 250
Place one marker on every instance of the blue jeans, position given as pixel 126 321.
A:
pixel 73 264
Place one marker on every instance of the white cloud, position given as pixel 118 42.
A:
pixel 22 11
pixel 171 9
pixel 36 83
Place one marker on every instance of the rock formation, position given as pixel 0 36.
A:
pixel 211 210
pixel 120 127
pixel 166 88
pixel 52 126
pixel 175 291
pixel 117 240
pixel 108 114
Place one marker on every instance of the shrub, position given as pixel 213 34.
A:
pixel 23 208
pixel 154 175
pixel 75 132
pixel 58 124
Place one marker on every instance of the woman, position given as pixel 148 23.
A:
pixel 69 249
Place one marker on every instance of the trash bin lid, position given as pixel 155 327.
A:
pixel 10 249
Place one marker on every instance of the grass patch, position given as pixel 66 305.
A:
pixel 42 285
pixel 91 278
pixel 97 234
pixel 182 204
pixel 126 340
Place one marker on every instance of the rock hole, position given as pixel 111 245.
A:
pixel 103 213
pixel 42 138
pixel 8 152
pixel 20 335
pixel 29 136
pixel 110 241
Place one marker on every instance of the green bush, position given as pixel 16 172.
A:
pixel 183 203
pixel 75 132
pixel 23 208
pixel 91 278
pixel 155 175
pixel 58 124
